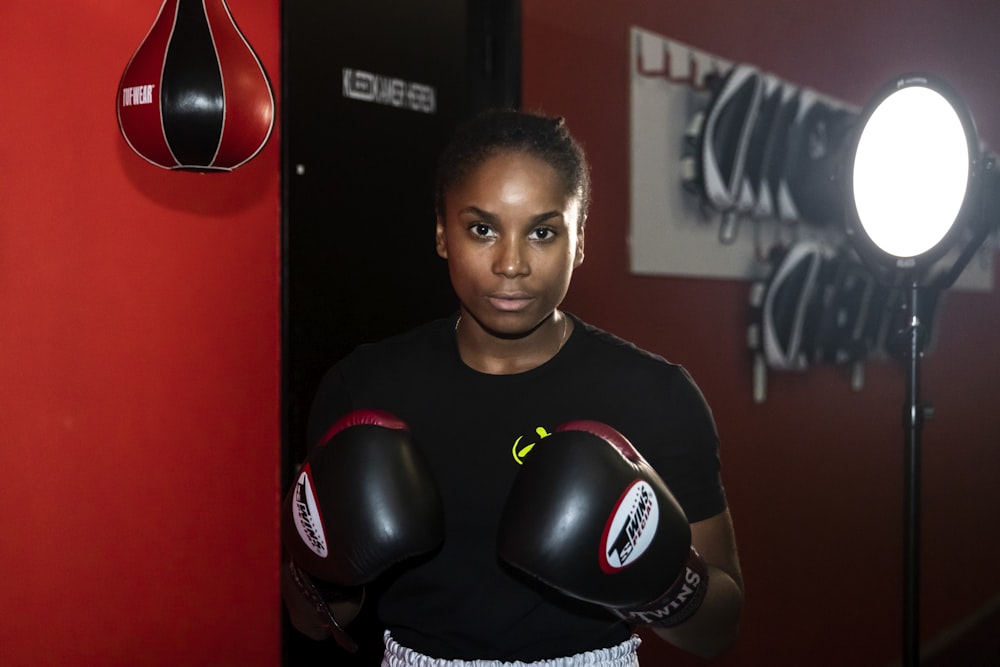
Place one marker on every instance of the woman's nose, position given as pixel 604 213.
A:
pixel 510 260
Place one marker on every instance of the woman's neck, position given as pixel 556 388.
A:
pixel 488 353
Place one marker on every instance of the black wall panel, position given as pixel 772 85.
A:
pixel 371 91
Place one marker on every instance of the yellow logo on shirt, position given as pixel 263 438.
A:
pixel 521 449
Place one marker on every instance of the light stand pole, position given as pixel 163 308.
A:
pixel 913 420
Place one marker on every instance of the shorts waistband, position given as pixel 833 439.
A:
pixel 622 655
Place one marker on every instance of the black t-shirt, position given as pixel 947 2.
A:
pixel 474 429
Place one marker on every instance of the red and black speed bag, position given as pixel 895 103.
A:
pixel 195 95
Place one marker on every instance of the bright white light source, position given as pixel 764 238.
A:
pixel 911 171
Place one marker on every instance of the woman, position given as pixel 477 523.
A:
pixel 481 394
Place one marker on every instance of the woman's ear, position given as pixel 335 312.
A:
pixel 440 240
pixel 578 258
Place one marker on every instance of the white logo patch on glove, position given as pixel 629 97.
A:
pixel 630 528
pixel 305 512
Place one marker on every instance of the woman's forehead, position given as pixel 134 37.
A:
pixel 513 177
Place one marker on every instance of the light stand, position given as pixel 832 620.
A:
pixel 913 420
pixel 914 197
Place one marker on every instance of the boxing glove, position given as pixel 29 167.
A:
pixel 363 500
pixel 589 517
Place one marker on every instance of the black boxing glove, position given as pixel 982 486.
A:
pixel 589 517
pixel 363 501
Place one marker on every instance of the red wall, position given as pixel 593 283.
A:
pixel 139 372
pixel 814 475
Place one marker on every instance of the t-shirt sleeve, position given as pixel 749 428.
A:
pixel 332 400
pixel 687 453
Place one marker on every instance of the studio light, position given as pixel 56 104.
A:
pixel 914 178
pixel 922 197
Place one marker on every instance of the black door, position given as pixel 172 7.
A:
pixel 371 89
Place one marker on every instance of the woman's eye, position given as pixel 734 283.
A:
pixel 481 229
pixel 542 233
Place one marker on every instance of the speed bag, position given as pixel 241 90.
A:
pixel 194 95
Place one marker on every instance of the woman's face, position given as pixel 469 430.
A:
pixel 511 235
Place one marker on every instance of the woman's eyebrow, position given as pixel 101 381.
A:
pixel 479 213
pixel 486 216
pixel 542 217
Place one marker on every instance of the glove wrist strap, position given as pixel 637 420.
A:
pixel 680 601
pixel 310 588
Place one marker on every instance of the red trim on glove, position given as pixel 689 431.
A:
pixel 608 433
pixel 365 417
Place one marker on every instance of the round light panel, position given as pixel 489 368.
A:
pixel 912 169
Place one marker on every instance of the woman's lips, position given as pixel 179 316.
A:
pixel 509 302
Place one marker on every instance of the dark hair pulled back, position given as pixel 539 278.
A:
pixel 508 131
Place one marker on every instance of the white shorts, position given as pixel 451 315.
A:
pixel 623 655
